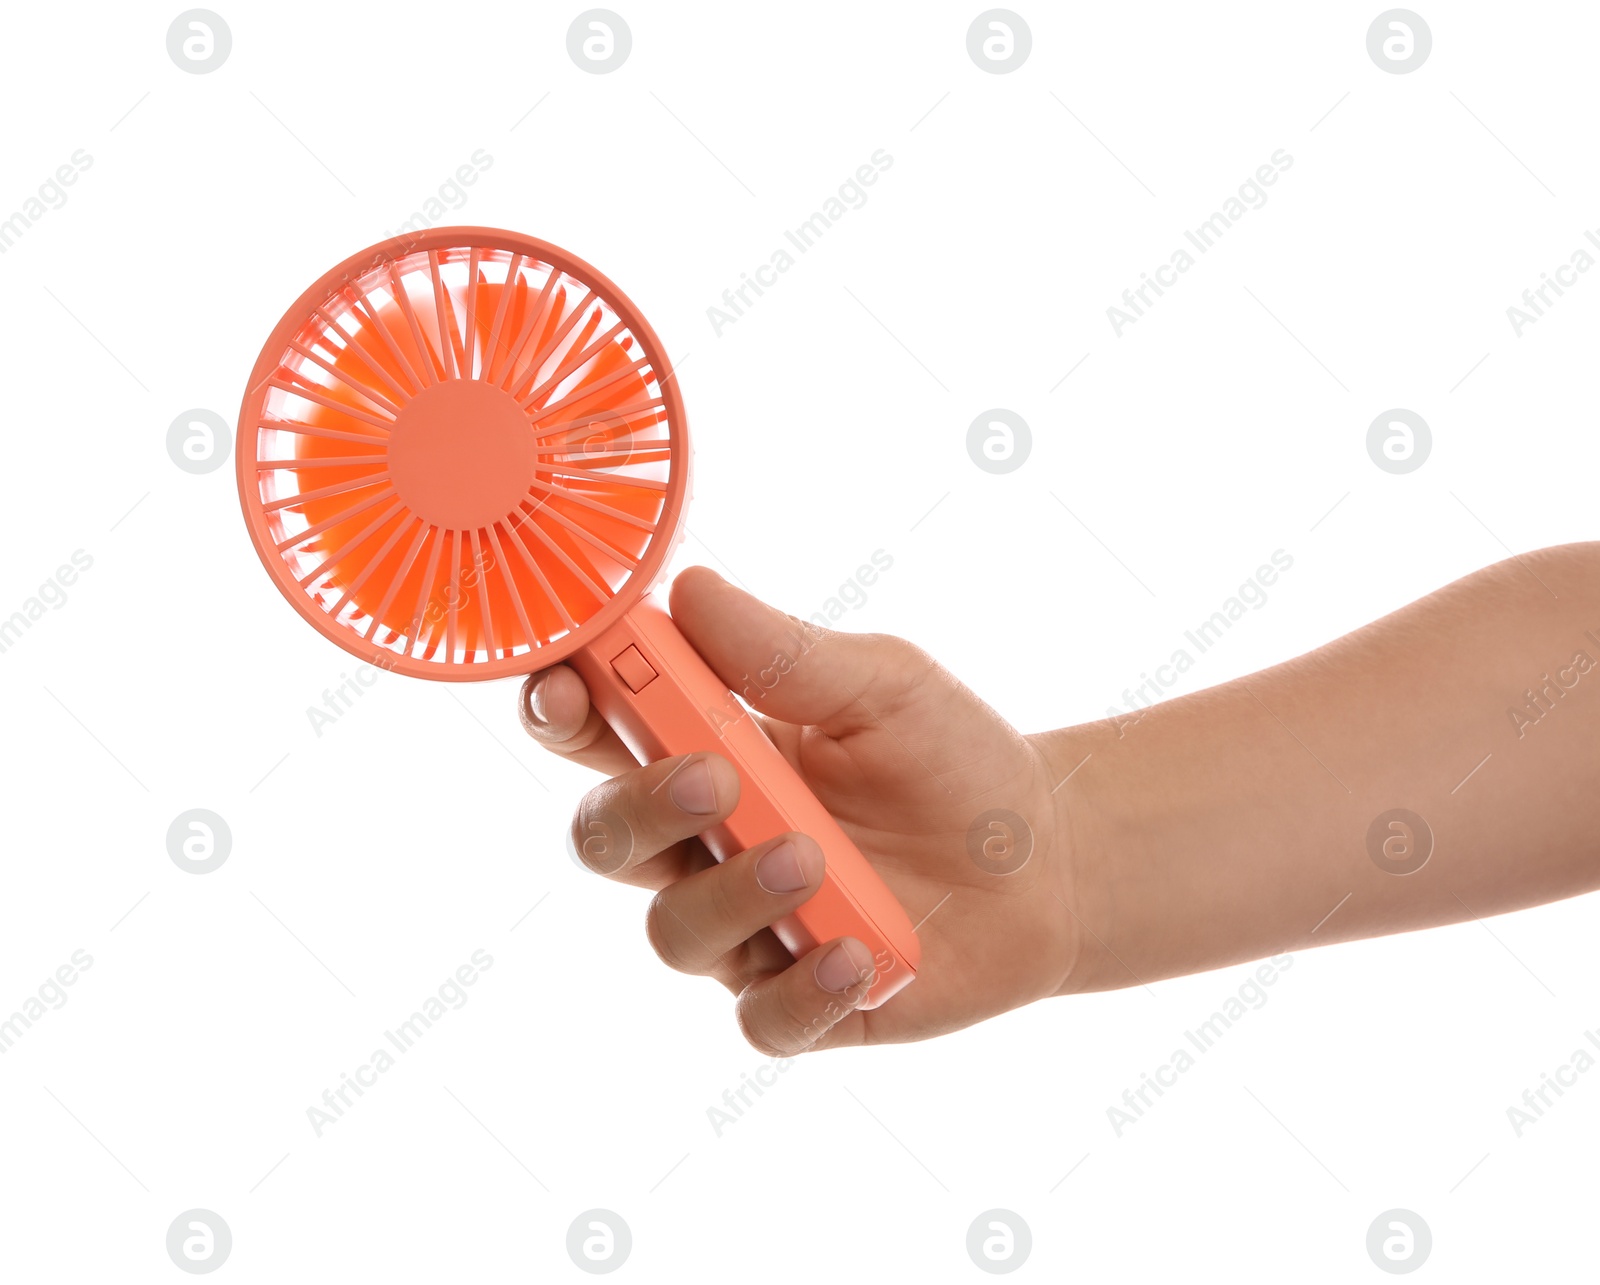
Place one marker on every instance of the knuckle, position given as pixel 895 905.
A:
pixel 774 1019
pixel 756 1031
pixel 901 666
pixel 645 796
pixel 903 654
pixel 722 902
pixel 802 1027
pixel 603 835
pixel 663 931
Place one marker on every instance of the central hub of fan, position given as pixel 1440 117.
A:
pixel 461 454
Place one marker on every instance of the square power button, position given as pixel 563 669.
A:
pixel 633 669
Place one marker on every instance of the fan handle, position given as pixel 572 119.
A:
pixel 663 700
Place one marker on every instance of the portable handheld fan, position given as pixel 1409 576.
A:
pixel 463 456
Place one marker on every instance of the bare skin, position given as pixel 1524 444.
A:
pixel 1238 822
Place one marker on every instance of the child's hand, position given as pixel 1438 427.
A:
pixel 908 760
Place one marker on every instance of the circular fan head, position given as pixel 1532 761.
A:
pixel 461 449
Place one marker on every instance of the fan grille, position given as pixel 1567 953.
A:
pixel 457 452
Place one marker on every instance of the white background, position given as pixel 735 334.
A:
pixel 369 862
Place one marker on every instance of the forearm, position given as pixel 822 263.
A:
pixel 1234 823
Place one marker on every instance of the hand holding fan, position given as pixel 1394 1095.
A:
pixel 462 456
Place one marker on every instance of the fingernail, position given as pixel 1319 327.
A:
pixel 536 701
pixel 692 789
pixel 848 964
pixel 779 870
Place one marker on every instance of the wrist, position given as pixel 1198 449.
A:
pixel 1078 822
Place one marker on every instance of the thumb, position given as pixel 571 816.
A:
pixel 789 669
